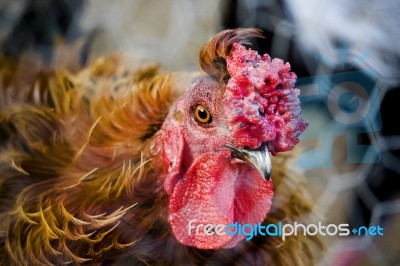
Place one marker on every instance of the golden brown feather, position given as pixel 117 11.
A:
pixel 214 53
pixel 79 180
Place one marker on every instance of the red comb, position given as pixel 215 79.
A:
pixel 261 101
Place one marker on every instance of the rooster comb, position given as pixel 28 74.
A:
pixel 214 53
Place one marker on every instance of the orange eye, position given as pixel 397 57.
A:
pixel 202 115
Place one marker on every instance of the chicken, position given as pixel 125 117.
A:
pixel 111 164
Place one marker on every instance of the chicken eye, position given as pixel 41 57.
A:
pixel 202 115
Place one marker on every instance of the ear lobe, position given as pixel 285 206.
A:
pixel 173 144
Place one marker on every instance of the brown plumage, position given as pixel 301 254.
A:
pixel 214 53
pixel 80 176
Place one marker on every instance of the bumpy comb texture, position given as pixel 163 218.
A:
pixel 214 53
pixel 261 102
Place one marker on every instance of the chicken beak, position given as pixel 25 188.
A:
pixel 259 159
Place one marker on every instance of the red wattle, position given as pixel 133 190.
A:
pixel 217 190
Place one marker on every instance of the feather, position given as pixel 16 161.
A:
pixel 214 53
pixel 80 179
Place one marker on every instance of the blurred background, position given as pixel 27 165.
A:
pixel 347 58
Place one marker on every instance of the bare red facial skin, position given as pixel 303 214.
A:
pixel 215 191
pixel 261 102
pixel 203 181
pixel 206 185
